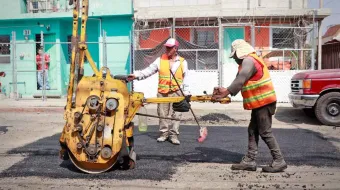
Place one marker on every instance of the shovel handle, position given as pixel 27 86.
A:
pixel 184 95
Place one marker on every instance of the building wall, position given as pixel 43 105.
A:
pixel 157 37
pixel 64 55
pixel 11 7
pixel 331 55
pixel 16 9
pixel 230 4
pixel 27 82
pixel 118 39
pixel 166 3
pixel 262 36
pixel 231 9
pixel 119 46
pixel 92 36
pixel 118 51
pixel 152 38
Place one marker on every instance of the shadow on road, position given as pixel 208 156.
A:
pixel 294 116
pixel 159 161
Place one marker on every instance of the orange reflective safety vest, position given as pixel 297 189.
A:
pixel 164 83
pixel 258 91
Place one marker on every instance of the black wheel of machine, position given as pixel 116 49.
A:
pixel 310 112
pixel 128 155
pixel 92 168
pixel 327 109
pixel 127 163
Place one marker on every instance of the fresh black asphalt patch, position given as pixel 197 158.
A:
pixel 158 161
pixel 4 129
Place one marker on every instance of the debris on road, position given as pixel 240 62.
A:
pixel 215 118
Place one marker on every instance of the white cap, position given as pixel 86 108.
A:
pixel 171 42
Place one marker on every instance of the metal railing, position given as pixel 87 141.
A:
pixel 47 6
pixel 199 46
pixel 286 47
pixel 26 79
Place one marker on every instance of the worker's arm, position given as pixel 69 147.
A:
pixel 185 85
pixel 247 71
pixel 147 72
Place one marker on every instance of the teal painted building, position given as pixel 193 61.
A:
pixel 28 18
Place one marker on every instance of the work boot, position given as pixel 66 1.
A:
pixel 174 139
pixel 163 137
pixel 247 164
pixel 276 166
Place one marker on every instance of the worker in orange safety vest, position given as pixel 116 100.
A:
pixel 254 82
pixel 167 87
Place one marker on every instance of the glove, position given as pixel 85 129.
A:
pixel 182 106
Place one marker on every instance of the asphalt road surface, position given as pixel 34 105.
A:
pixel 29 156
pixel 158 161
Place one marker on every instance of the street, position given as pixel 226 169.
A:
pixel 81 69
pixel 29 154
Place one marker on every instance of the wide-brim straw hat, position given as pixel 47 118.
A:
pixel 241 48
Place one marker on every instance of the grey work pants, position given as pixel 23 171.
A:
pixel 261 126
pixel 165 110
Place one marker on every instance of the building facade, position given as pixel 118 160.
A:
pixel 282 32
pixel 331 48
pixel 32 21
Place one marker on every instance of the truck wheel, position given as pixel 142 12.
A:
pixel 310 112
pixel 327 109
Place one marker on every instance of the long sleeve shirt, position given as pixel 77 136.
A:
pixel 155 67
pixel 247 71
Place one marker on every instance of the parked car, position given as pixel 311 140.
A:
pixel 318 94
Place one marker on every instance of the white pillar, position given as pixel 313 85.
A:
pixel 319 46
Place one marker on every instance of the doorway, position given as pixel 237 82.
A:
pixel 50 50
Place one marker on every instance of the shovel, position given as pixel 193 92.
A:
pixel 203 130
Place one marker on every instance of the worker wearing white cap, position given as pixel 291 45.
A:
pixel 167 87
pixel 254 82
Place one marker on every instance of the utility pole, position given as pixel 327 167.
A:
pixel 320 39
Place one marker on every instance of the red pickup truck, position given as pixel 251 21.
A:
pixel 318 94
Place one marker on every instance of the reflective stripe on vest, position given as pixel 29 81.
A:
pixel 164 83
pixel 258 93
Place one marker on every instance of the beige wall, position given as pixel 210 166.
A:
pixel 229 4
